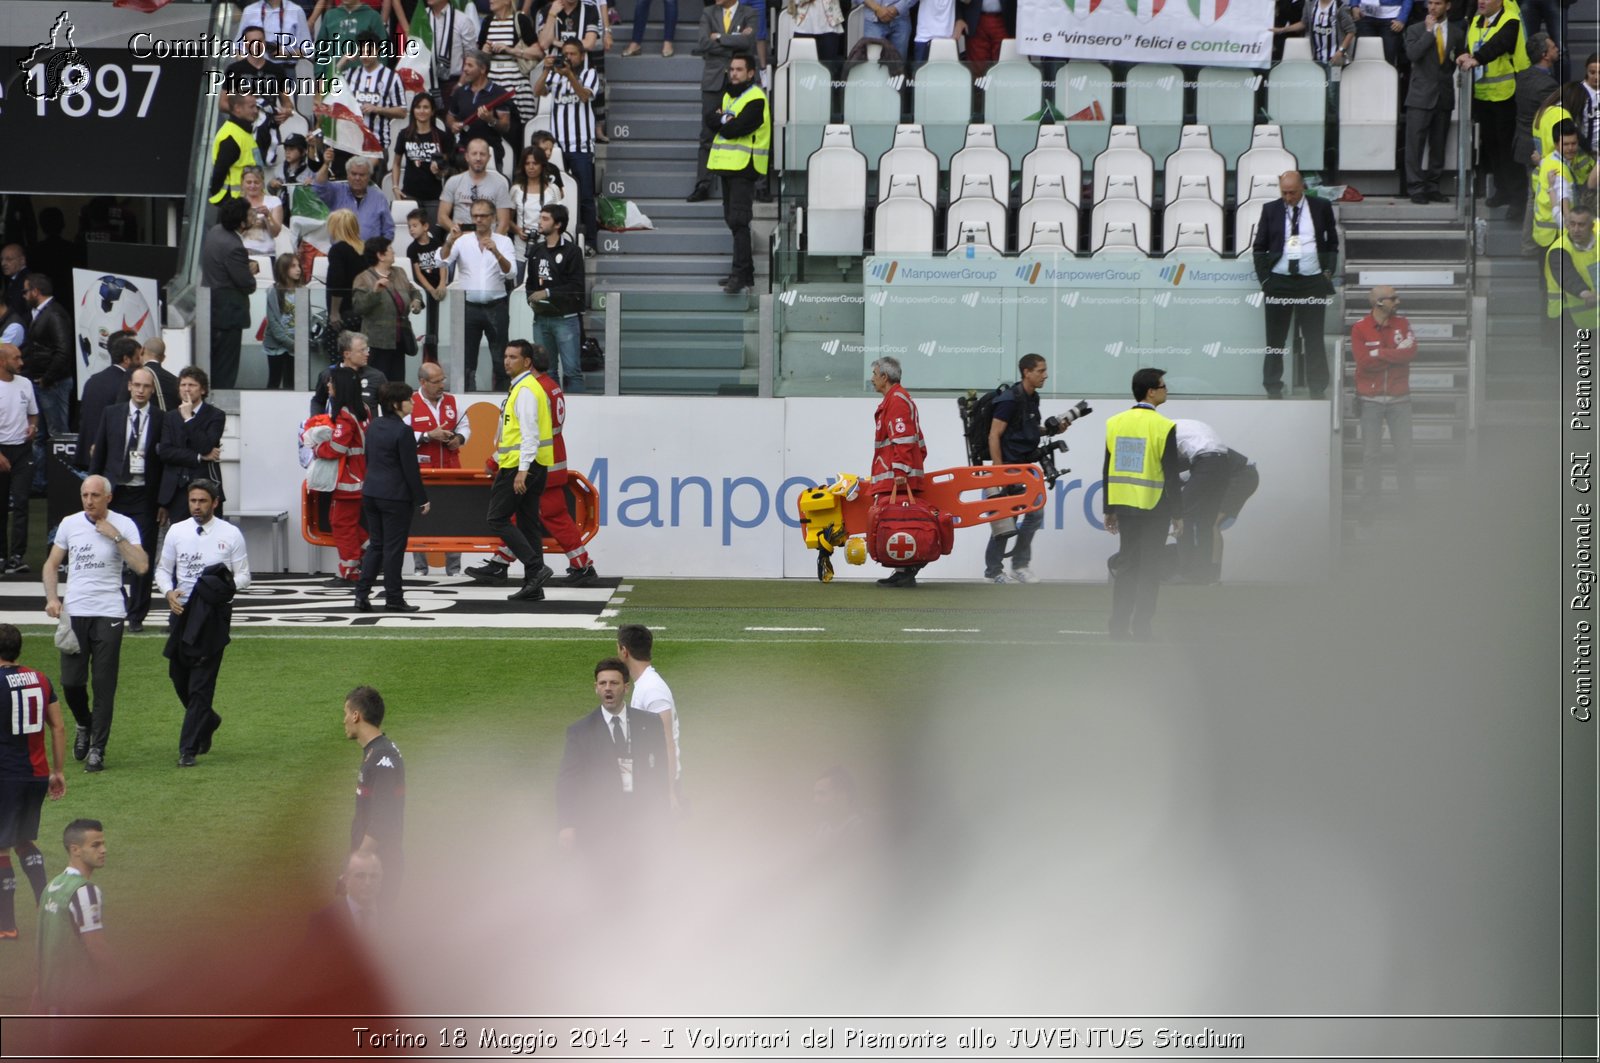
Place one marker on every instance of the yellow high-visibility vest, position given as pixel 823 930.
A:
pixel 1563 256
pixel 1136 441
pixel 508 450
pixel 1498 80
pixel 757 147
pixel 248 156
pixel 1545 226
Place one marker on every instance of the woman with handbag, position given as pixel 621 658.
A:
pixel 346 445
pixel 385 301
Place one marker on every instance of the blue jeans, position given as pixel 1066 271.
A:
pixel 1021 553
pixel 641 15
pixel 54 403
pixel 561 335
pixel 897 33
pixel 1542 15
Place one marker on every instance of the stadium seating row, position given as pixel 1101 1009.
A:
pixel 1049 192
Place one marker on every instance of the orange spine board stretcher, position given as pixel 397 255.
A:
pixel 586 517
pixel 832 513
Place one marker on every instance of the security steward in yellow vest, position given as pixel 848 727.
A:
pixel 233 148
pixel 524 450
pixel 1569 270
pixel 1567 163
pixel 1139 492
pixel 740 152
pixel 1496 51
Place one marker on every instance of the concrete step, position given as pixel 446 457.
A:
pixel 706 239
pixel 702 351
pixel 683 39
pixel 638 179
pixel 651 65
pixel 688 11
pixel 633 150
pixel 663 323
pixel 673 121
pixel 667 211
pixel 682 299
pixel 630 92
pixel 689 381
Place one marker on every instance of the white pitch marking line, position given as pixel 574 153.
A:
pixel 624 586
pixel 786 629
pixel 616 600
pixel 941 630
pixel 1074 631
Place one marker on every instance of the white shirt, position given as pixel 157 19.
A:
pixel 17 403
pixel 477 272
pixel 462 427
pixel 1310 265
pixel 191 548
pixel 40 308
pixel 140 445
pixel 94 565
pixel 1196 438
pixel 285 17
pixel 651 694
pixel 936 19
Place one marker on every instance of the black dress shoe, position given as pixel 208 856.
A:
pixel 1421 200
pixel 401 607
pixel 737 285
pixel 539 578
pixel 187 761
pixel 136 626
pixel 338 583
pixel 902 577
pixel 700 194
pixel 530 592
pixel 1438 197
pixel 363 603
pixel 80 744
pixel 488 572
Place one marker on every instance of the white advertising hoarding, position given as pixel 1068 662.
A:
pixel 706 487
pixel 1184 32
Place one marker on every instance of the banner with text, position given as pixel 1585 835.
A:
pixel 1186 32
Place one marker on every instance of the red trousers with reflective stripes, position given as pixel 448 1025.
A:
pixel 348 536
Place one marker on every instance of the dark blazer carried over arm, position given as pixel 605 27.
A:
pixel 392 470
pixel 1268 246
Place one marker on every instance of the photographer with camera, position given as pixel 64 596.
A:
pixel 1015 438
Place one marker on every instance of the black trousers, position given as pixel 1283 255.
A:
pixel 225 345
pixel 1138 577
pixel 1209 477
pixel 492 320
pixel 505 504
pixel 738 207
pixel 1296 301
pixel 14 485
pixel 194 680
pixel 138 504
pixel 710 104
pixel 100 652
pixel 391 362
pixel 1497 127
pixel 388 527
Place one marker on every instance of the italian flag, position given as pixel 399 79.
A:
pixel 1081 8
pixel 1145 10
pixel 343 126
pixel 1208 11
pixel 416 60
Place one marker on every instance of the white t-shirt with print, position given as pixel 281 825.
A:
pixel 94 565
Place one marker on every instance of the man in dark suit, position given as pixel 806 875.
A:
pixel 151 355
pixel 47 361
pixel 353 916
pixel 391 493
pixel 726 29
pixel 126 453
pixel 104 390
pixel 226 269
pixel 613 791
pixel 1296 251
pixel 191 442
pixel 1431 46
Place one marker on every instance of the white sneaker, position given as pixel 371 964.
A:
pixel 1024 575
pixel 1004 577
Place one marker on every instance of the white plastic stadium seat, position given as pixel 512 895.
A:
pixel 872 106
pixel 1297 99
pixel 1193 186
pixel 1120 212
pixel 1045 212
pixel 1202 214
pixel 1045 186
pixel 941 102
pixel 903 225
pixel 803 104
pixel 1054 159
pixel 984 238
pixel 1369 100
pixel 1013 97
pixel 836 222
pixel 909 157
pixel 1084 95
pixel 803 48
pixel 980 135
pixel 976 206
pixel 1246 218
pixel 1297 48
pixel 1266 160
pixel 1153 104
pixel 1225 102
pixel 943 50
pixel 1113 182
pixel 1008 51
pixel 1368 50
pixel 1124 136
pixel 987 161
pixel 1195 237
pixel 1120 237
pixel 1196 157
pixel 1049 236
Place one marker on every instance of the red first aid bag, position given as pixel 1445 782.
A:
pixel 903 531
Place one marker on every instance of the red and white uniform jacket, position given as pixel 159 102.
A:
pixel 1383 356
pixel 348 448
pixel 432 454
pixel 557 476
pixel 898 446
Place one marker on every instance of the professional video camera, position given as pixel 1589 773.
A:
pixel 1052 425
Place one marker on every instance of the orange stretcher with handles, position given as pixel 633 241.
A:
pixel 841 513
pixel 455 523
